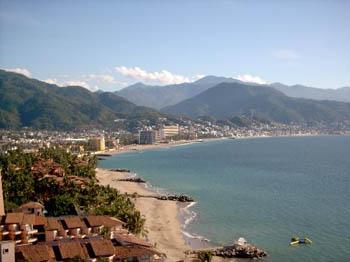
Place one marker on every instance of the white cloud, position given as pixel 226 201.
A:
pixel 63 83
pixel 102 78
pixel 77 83
pixel 21 71
pixel 91 81
pixel 286 55
pixel 52 81
pixel 163 76
pixel 196 77
pixel 251 79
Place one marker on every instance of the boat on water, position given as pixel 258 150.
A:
pixel 297 241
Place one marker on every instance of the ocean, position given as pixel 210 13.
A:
pixel 266 190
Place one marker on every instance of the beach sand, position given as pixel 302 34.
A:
pixel 162 223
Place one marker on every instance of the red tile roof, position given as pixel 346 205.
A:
pixel 14 218
pixel 72 249
pixel 125 252
pixel 103 220
pixel 36 253
pixel 102 247
pixel 28 219
pixel 40 220
pixel 32 205
pixel 73 222
pixel 52 224
pixel 131 240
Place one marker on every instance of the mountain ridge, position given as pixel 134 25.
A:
pixel 227 100
pixel 162 96
pixel 30 102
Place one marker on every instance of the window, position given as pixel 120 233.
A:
pixel 5 250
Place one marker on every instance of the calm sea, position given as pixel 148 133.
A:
pixel 266 190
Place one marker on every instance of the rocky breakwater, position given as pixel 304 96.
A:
pixel 179 198
pixel 120 170
pixel 240 249
pixel 133 179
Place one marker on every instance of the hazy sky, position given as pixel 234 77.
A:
pixel 109 44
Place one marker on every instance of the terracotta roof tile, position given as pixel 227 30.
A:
pixel 40 220
pixel 72 249
pixel 32 205
pixel 131 240
pixel 73 222
pixel 14 218
pixel 102 247
pixel 36 253
pixel 125 252
pixel 52 224
pixel 28 219
pixel 107 221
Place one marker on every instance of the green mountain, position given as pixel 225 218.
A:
pixel 161 96
pixel 32 103
pixel 227 100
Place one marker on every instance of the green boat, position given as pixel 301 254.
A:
pixel 297 241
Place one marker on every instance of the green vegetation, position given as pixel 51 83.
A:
pixel 26 102
pixel 205 256
pixel 229 100
pixel 46 177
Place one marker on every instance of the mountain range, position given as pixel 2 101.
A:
pixel 162 96
pixel 26 102
pixel 227 100
pixel 29 102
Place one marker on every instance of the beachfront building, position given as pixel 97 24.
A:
pixel 97 144
pixel 148 137
pixel 170 131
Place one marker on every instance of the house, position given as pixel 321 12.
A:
pixel 53 229
pixel 28 232
pixel 96 224
pixel 13 222
pixel 32 208
pixel 73 226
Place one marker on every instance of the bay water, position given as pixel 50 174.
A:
pixel 266 190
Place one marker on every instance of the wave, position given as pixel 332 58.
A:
pixel 195 236
pixel 189 215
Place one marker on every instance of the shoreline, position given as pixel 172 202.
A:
pixel 140 148
pixel 162 217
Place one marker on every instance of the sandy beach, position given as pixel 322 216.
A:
pixel 162 223
pixel 138 147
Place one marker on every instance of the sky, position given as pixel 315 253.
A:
pixel 111 44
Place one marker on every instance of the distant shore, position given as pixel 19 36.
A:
pixel 138 147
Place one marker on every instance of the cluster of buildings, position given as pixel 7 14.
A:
pixel 28 235
pixel 80 142
pixel 152 136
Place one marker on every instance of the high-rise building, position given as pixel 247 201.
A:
pixel 97 144
pixel 171 130
pixel 148 137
